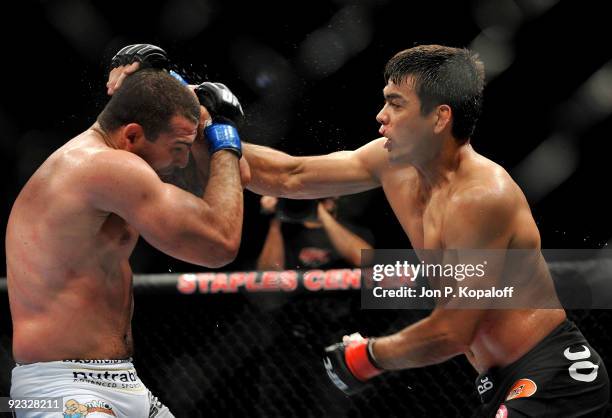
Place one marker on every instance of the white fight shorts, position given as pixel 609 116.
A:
pixel 87 388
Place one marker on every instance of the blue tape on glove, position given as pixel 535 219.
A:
pixel 222 136
pixel 178 77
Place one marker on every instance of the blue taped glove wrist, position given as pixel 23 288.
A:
pixel 223 136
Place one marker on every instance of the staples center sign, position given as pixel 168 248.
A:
pixel 269 281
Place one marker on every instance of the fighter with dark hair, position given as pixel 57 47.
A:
pixel 76 221
pixel 533 362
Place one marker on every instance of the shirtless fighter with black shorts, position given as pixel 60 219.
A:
pixel 533 362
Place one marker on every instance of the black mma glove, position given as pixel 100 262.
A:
pixel 226 114
pixel 149 56
pixel 349 365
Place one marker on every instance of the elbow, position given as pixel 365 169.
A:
pixel 448 338
pixel 356 256
pixel 225 241
pixel 456 340
pixel 226 251
pixel 458 344
pixel 354 259
pixel 231 248
pixel 217 253
pixel 219 257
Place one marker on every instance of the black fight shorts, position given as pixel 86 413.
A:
pixel 562 376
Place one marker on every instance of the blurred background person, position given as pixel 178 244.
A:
pixel 307 234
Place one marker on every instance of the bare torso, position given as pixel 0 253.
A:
pixel 69 280
pixel 504 335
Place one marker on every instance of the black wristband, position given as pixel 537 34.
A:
pixel 371 356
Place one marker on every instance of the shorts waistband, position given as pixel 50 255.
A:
pixel 92 362
pixel 88 370
pixel 109 374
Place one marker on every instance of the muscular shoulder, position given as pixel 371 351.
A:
pixel 111 174
pixel 373 156
pixel 481 181
pixel 86 161
pixel 482 208
pixel 110 162
pixel 488 199
pixel 94 163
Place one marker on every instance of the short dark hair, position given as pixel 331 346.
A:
pixel 150 98
pixel 443 75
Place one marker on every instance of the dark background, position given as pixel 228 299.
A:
pixel 309 75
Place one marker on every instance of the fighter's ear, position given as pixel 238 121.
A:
pixel 443 118
pixel 133 133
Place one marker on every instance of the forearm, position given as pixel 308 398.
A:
pixel 275 173
pixel 223 194
pixel 192 178
pixel 421 344
pixel 348 244
pixel 270 169
pixel 272 255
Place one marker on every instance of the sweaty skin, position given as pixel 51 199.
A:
pixel 76 221
pixel 446 196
